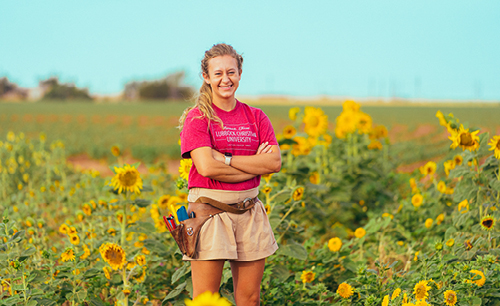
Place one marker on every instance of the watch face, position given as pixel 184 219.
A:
pixel 228 154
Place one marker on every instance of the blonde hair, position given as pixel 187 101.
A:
pixel 204 97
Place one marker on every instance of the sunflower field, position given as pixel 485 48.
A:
pixel 351 229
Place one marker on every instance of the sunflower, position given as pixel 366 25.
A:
pixel 298 193
pixel 364 123
pixel 359 232
pixel 74 239
pixel 131 265
pixel 345 290
pixel 347 122
pixel 267 177
pixel 142 277
pixel 185 167
pixel 464 139
pixel 480 282
pixel 289 131
pixel 112 231
pixel 267 207
pixel 385 301
pixel 307 276
pixel 442 120
pixel 468 245
pixel 487 223
pixel 429 168
pixel 441 187
pixel 439 219
pixel 115 150
pixel 86 252
pixel 86 209
pixel 413 185
pixel 450 297
pixel 417 200
pixel 67 255
pixel 375 144
pixel 140 260
pixel 428 222
pixel 301 147
pixel 350 105
pixel 163 201
pixel 127 178
pixel 458 159
pixel 421 290
pixel 63 228
pixel 495 145
pixel 464 205
pixel 107 272
pixel 208 299
pixel 378 132
pixel 314 178
pixel 396 293
pixel 292 113
pixel 113 254
pixel 450 242
pixel 267 190
pixel 335 244
pixel 316 122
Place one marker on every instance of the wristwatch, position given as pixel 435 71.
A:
pixel 228 157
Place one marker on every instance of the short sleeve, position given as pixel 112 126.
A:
pixel 266 131
pixel 194 134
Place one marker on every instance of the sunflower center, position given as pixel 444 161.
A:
pixel 313 121
pixel 466 140
pixel 488 223
pixel 114 257
pixel 498 144
pixel 129 178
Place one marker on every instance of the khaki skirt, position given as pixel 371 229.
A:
pixel 239 237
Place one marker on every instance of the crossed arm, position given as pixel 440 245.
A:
pixel 210 163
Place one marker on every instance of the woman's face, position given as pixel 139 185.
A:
pixel 223 76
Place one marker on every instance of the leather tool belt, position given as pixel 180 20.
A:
pixel 187 233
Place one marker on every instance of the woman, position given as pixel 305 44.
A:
pixel 231 145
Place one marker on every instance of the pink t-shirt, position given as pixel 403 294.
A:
pixel 245 128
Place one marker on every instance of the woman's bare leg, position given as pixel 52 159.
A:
pixel 247 276
pixel 206 275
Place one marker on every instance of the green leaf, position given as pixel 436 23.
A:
pixel 449 233
pixel 91 273
pixel 293 250
pixel 36 276
pixel 142 202
pixel 94 300
pixel 81 295
pixel 178 290
pixel 17 234
pixel 180 272
pixel 32 303
pixel 475 301
pixel 280 273
pixel 36 292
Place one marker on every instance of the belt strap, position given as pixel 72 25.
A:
pixel 240 208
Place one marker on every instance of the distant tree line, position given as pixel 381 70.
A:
pixel 168 88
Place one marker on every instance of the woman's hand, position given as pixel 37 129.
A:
pixel 218 156
pixel 264 147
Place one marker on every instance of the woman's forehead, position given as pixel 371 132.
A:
pixel 222 62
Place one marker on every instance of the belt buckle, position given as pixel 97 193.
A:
pixel 243 204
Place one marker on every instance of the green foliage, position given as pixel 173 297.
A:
pixel 61 92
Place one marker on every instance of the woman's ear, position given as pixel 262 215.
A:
pixel 206 78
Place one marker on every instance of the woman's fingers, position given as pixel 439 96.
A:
pixel 262 147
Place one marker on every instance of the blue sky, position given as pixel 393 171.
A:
pixel 413 49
